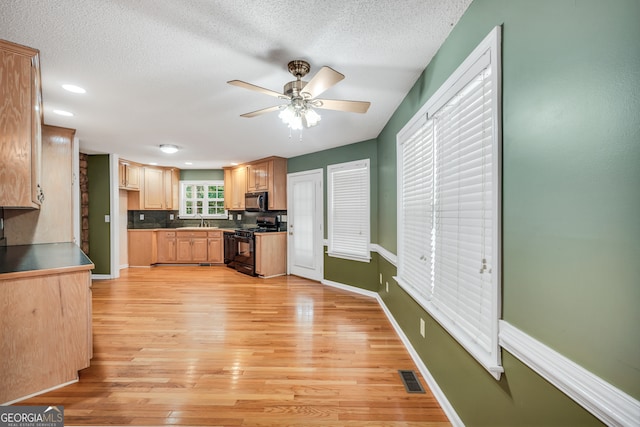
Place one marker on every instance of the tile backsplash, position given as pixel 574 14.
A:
pixel 162 219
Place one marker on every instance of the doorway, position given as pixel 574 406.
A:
pixel 305 224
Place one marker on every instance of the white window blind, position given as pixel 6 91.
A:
pixel 348 210
pixel 448 230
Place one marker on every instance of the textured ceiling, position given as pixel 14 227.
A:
pixel 155 71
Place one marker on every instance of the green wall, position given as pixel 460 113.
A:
pixel 571 198
pixel 99 206
pixel 201 174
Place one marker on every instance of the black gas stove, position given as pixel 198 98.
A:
pixel 244 244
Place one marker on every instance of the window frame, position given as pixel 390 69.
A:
pixel 334 249
pixel 487 51
pixel 182 213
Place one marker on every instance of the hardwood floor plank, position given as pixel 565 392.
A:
pixel 198 346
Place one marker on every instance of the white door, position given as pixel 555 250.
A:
pixel 305 224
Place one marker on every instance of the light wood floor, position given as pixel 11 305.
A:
pixel 210 346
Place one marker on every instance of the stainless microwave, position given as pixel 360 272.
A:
pixel 256 202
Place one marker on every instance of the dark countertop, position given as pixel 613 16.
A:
pixel 16 261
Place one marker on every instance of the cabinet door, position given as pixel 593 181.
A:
pixel 183 249
pixel 168 189
pixel 215 250
pixel 17 168
pixel 153 188
pixel 133 177
pixel 239 187
pixel 258 254
pixel 199 249
pixel 166 246
pixel 122 176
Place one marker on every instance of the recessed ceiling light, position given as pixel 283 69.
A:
pixel 169 148
pixel 63 113
pixel 153 163
pixel 188 163
pixel 73 88
pixel 234 164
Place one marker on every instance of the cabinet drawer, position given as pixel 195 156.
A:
pixel 215 234
pixel 167 233
pixel 191 234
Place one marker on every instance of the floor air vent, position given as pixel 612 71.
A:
pixel 411 382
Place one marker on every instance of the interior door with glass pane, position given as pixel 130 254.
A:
pixel 305 224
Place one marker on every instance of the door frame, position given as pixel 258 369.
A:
pixel 318 178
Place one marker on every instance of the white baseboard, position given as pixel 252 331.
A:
pixel 101 277
pixel 431 382
pixel 123 266
pixel 608 403
pixel 354 289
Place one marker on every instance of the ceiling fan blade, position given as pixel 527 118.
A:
pixel 250 86
pixel 259 112
pixel 350 106
pixel 323 80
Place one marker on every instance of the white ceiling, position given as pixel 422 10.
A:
pixel 155 71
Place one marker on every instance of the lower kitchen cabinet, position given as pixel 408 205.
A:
pixel 142 248
pixel 191 246
pixel 215 245
pixel 166 246
pixel 271 254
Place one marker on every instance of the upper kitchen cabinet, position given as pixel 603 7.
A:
pixel 235 186
pixel 268 175
pixel 20 126
pixel 158 189
pixel 129 175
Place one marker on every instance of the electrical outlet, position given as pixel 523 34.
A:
pixel 422 332
pixel 107 218
pixel 381 278
pixel 141 217
pixel 171 217
pixel 387 286
pixel 230 217
pixel 239 217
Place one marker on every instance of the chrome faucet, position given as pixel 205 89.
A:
pixel 201 219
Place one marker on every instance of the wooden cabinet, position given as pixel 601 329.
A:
pixel 235 187
pixel 129 175
pixel 159 190
pixel 271 254
pixel 20 126
pixel 257 176
pixel 268 175
pixel 166 246
pixel 142 248
pixel 191 246
pixel 215 250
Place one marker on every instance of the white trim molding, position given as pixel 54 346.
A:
pixel 102 277
pixel 444 403
pixel 608 403
pixel 354 289
pixel 391 257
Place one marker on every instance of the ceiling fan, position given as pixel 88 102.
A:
pixel 301 96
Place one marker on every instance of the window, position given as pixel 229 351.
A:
pixel 202 199
pixel 449 204
pixel 348 210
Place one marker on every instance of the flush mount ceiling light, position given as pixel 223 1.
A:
pixel 73 88
pixel 301 96
pixel 168 148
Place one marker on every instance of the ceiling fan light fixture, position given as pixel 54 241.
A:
pixel 168 148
